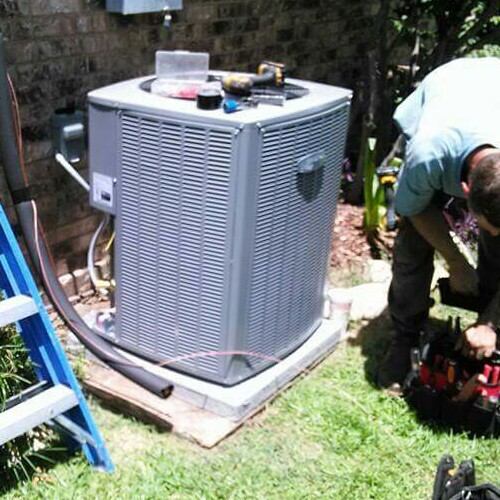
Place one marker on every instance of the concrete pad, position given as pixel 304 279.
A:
pixel 238 402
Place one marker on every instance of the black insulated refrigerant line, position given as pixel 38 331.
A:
pixel 40 255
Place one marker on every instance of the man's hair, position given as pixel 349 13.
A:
pixel 484 183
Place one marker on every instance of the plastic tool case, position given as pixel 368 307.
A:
pixel 223 223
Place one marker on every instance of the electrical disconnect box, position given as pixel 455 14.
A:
pixel 68 134
pixel 142 6
pixel 223 222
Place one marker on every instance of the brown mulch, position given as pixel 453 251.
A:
pixel 350 245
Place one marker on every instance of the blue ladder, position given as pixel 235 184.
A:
pixel 57 398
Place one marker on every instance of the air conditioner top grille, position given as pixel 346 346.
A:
pixel 129 95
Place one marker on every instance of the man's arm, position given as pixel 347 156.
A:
pixel 479 340
pixel 432 226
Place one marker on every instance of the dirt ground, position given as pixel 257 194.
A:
pixel 349 242
pixel 350 250
pixel 350 247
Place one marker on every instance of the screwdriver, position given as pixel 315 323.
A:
pixel 231 106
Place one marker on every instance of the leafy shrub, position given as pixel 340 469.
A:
pixel 486 51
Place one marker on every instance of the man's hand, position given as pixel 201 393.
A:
pixel 477 341
pixel 463 278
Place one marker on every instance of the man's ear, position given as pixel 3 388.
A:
pixel 466 189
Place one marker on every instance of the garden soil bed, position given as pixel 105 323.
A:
pixel 350 247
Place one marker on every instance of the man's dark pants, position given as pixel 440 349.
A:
pixel 413 268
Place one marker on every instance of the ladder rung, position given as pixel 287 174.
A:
pixel 35 411
pixel 25 395
pixel 16 308
pixel 67 426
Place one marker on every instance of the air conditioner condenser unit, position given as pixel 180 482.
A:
pixel 223 223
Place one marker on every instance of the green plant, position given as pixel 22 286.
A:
pixel 373 192
pixel 20 457
pixel 445 29
pixel 15 367
pixel 486 51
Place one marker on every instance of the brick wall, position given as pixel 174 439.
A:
pixel 58 50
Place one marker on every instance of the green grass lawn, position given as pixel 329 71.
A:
pixel 332 435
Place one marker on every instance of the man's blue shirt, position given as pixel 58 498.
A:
pixel 454 110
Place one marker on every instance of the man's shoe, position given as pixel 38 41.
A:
pixel 396 364
pixel 394 390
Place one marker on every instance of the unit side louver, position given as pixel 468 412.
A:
pixel 172 246
pixel 293 233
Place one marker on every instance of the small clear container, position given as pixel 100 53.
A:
pixel 180 73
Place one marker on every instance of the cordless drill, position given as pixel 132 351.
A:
pixel 268 73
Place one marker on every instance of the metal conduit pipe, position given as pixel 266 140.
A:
pixel 39 253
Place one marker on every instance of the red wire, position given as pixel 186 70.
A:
pixel 201 354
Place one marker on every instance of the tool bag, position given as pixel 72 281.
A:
pixel 446 387
pixel 459 483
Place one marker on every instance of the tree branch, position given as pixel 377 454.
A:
pixel 393 43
